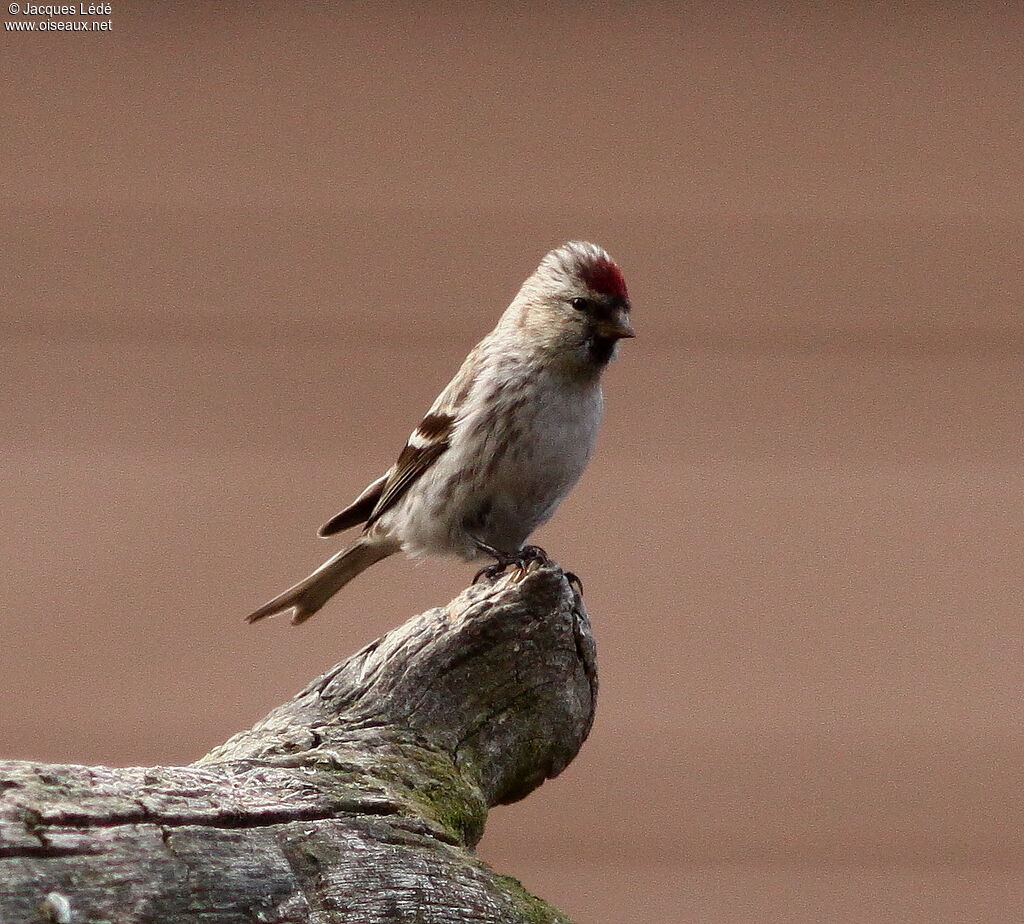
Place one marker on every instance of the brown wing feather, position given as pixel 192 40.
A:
pixel 358 511
pixel 413 462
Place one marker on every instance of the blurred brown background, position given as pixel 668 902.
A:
pixel 244 247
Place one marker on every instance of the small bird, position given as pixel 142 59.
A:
pixel 502 444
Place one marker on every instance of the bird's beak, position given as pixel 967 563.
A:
pixel 618 327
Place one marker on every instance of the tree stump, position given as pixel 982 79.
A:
pixel 361 799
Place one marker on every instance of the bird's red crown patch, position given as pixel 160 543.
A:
pixel 605 277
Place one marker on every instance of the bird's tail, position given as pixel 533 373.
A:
pixel 311 593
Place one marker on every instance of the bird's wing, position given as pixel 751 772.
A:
pixel 412 462
pixel 430 439
pixel 358 511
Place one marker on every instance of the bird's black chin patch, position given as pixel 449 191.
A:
pixel 601 349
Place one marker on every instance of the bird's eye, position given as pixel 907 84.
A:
pixel 580 303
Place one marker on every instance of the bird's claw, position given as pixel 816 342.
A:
pixel 574 582
pixel 491 572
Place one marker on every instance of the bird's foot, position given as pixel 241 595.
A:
pixel 528 555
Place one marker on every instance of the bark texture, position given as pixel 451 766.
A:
pixel 361 799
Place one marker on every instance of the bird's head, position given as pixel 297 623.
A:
pixel 575 305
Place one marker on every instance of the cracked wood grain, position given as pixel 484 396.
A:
pixel 359 800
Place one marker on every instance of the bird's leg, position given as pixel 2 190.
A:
pixel 574 581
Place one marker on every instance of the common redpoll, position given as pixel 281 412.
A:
pixel 502 444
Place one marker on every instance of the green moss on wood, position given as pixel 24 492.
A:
pixel 533 910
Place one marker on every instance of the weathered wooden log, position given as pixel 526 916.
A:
pixel 359 800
